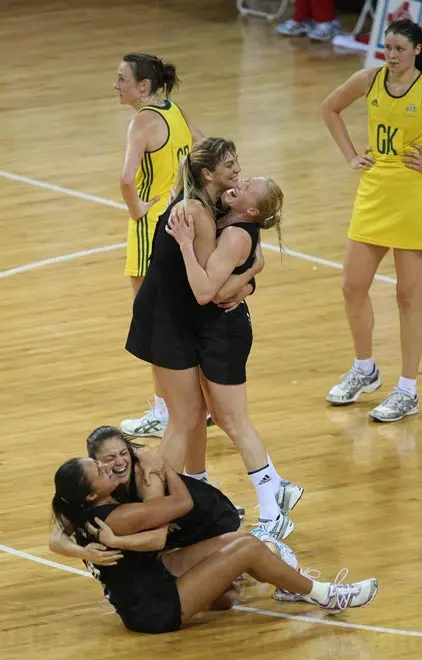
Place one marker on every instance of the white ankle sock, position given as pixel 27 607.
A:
pixel 365 366
pixel 275 477
pixel 319 591
pixel 263 483
pixel 200 476
pixel 408 385
pixel 160 410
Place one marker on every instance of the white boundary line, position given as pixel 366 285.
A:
pixel 241 608
pixel 117 246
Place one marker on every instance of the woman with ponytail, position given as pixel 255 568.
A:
pixel 193 343
pixel 387 214
pixel 159 136
pixel 154 593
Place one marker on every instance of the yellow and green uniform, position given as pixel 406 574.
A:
pixel 388 205
pixel 155 177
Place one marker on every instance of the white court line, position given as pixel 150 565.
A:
pixel 241 608
pixel 108 202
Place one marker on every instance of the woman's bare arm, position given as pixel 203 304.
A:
pixel 129 519
pixel 342 97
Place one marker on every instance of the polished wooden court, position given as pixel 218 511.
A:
pixel 63 326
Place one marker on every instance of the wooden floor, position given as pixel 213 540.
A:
pixel 63 325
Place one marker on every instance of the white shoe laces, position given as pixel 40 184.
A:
pixel 342 593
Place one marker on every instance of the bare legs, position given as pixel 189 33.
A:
pixel 360 266
pixel 187 418
pixel 224 559
pixel 409 301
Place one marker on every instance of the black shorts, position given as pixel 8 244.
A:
pixel 212 514
pixel 158 609
pixel 224 341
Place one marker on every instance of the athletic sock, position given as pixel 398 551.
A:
pixel 200 476
pixel 160 410
pixel 264 487
pixel 365 366
pixel 319 591
pixel 408 385
pixel 275 477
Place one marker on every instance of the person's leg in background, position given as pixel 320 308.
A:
pixel 325 26
pixel 301 22
pixel 315 18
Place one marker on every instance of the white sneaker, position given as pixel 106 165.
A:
pixel 397 405
pixel 324 31
pixel 288 495
pixel 292 28
pixel 280 528
pixel 146 426
pixel 287 596
pixel 285 552
pixel 352 385
pixel 342 596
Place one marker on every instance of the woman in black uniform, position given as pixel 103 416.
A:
pixel 139 477
pixel 181 335
pixel 155 594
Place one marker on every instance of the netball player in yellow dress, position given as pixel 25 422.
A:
pixel 159 136
pixel 387 214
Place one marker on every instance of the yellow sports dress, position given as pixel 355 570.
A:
pixel 388 205
pixel 155 177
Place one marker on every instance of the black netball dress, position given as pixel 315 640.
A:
pixel 140 588
pixel 161 331
pixel 224 339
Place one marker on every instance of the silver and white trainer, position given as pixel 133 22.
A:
pixel 397 405
pixel 288 495
pixel 352 385
pixel 144 427
pixel 280 528
pixel 343 596
pixel 285 551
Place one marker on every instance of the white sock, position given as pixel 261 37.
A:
pixel 263 483
pixel 319 591
pixel 160 410
pixel 275 477
pixel 408 385
pixel 365 366
pixel 200 476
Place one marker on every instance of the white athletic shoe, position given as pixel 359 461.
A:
pixel 352 385
pixel 397 405
pixel 146 426
pixel 286 553
pixel 288 495
pixel 342 596
pixel 280 528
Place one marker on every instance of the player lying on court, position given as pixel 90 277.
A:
pixel 156 593
pixel 195 348
pixel 138 477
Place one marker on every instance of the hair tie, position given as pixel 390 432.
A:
pixel 63 499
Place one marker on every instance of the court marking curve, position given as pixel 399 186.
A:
pixel 117 246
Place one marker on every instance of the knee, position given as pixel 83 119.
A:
pixel 406 295
pixel 228 423
pixel 353 288
pixel 188 416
